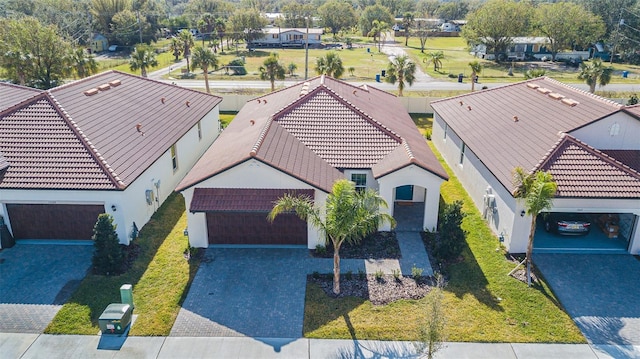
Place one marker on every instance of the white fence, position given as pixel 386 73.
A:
pixel 233 102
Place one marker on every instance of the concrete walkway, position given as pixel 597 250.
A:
pixel 27 346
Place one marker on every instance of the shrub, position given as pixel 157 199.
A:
pixel 633 100
pixel 396 274
pixel 378 275
pixel 348 275
pixel 237 65
pixel 416 272
pixel 427 134
pixel 452 237
pixel 321 250
pixel 107 257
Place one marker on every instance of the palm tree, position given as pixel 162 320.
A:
pixel 476 67
pixel 84 64
pixel 435 58
pixel 186 40
pixel 401 69
pixel 378 31
pixel 348 216
pixel 291 68
pixel 142 58
pixel 595 73
pixel 204 59
pixel 538 190
pixel 407 22
pixel 330 65
pixel 272 70
pixel 176 48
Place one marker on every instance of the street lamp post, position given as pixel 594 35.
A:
pixel 306 52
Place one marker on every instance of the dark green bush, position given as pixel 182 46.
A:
pixel 237 66
pixel 108 258
pixel 451 239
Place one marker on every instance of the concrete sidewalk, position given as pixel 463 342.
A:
pixel 87 346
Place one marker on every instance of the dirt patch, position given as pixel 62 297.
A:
pixel 379 290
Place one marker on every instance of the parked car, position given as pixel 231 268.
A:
pixel 567 223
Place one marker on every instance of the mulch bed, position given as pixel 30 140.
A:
pixel 379 291
pixel 521 273
pixel 380 245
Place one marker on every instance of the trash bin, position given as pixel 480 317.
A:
pixel 115 318
pixel 368 49
pixel 384 72
pixel 460 76
pixel 625 74
pixel 476 79
pixel 377 77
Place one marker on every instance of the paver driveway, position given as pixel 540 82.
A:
pixel 35 280
pixel 255 292
pixel 600 292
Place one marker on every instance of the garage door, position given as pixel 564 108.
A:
pixel 53 221
pixel 253 228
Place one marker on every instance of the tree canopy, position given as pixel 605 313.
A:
pixel 496 23
pixel 337 15
pixel 272 70
pixel 401 70
pixel 373 13
pixel 330 64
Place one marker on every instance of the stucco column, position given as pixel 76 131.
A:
pixel 431 204
pixel 386 192
pixel 196 223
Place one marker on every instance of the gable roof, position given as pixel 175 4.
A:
pixel 241 199
pixel 313 129
pixel 96 118
pixel 518 124
pixel 11 94
pixel 582 171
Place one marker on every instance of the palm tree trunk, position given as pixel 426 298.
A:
pixel 144 71
pixel 273 85
pixel 336 268
pixel 530 249
pixel 206 79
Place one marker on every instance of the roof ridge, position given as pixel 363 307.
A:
pixel 488 89
pixel 594 151
pixel 22 104
pixel 22 87
pixel 263 134
pixel 407 148
pixel 583 92
pixel 86 143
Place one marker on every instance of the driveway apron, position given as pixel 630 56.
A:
pixel 600 292
pixel 254 292
pixel 35 280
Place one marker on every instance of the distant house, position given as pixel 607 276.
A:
pixel 529 48
pixel 275 37
pixel 98 43
pixel 589 145
pixel 300 140
pixel 110 143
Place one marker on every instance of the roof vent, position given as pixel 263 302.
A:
pixel 461 103
pixel 556 96
pixel 188 103
pixel 533 86
pixel 543 90
pixel 115 83
pixel 570 102
pixel 515 118
pixel 469 107
pixel 91 92
pixel 104 87
pixel 252 122
pixel 162 100
pixel 139 129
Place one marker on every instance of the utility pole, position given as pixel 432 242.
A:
pixel 615 42
pixel 306 52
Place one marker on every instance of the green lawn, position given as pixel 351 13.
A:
pixel 482 304
pixel 160 276
pixel 226 118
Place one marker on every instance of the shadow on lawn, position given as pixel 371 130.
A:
pixel 321 309
pixel 97 291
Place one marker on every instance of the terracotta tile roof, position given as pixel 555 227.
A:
pixel 44 151
pixel 582 171
pixel 517 125
pixel 312 129
pixel 3 162
pixel 240 199
pixel 103 112
pixel 11 95
pixel 635 110
pixel 630 158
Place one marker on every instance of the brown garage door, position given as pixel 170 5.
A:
pixel 53 221
pixel 253 228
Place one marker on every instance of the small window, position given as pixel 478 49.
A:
pixel 199 130
pixel 446 127
pixel 464 147
pixel 174 158
pixel 360 179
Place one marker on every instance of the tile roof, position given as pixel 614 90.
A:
pixel 102 112
pixel 499 124
pixel 240 199
pixel 312 129
pixel 630 158
pixel 582 171
pixel 11 94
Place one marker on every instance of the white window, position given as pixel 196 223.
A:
pixel 199 130
pixel 464 147
pixel 360 179
pixel 174 158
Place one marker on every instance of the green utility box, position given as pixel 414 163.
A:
pixel 115 319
